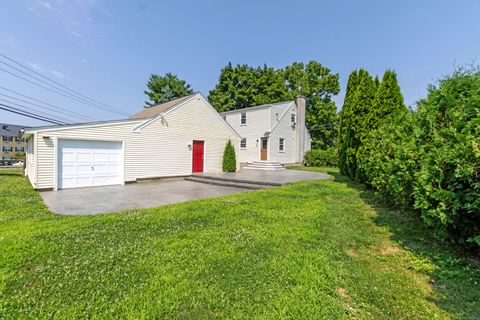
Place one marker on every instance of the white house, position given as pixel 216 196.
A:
pixel 273 132
pixel 176 138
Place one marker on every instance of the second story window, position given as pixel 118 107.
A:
pixel 18 139
pixel 243 118
pixel 7 138
pixel 292 119
pixel 7 149
pixel 243 143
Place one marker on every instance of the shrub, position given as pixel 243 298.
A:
pixel 389 160
pixel 322 158
pixel 430 159
pixel 229 158
pixel 447 184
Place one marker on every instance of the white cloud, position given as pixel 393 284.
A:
pixel 44 4
pixel 57 74
pixel 35 66
pixel 76 17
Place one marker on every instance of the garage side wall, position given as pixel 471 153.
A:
pixel 160 149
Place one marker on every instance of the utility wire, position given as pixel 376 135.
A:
pixel 30 115
pixel 56 82
pixel 41 113
pixel 60 110
pixel 60 93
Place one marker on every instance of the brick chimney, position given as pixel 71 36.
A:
pixel 301 103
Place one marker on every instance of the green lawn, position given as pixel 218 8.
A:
pixel 313 250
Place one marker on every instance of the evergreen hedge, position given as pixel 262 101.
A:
pixel 429 159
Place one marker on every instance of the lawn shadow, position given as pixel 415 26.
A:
pixel 455 276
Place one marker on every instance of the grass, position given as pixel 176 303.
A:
pixel 319 249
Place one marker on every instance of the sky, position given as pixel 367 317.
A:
pixel 107 49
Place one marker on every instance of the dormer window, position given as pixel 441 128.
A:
pixel 292 119
pixel 243 118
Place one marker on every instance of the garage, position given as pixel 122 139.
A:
pixel 84 163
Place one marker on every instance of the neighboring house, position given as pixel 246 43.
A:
pixel 273 132
pixel 176 138
pixel 12 145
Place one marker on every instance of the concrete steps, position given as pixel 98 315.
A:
pixel 264 165
pixel 229 182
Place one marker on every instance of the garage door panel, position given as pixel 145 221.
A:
pixel 89 163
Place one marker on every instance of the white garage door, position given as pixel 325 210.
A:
pixel 83 163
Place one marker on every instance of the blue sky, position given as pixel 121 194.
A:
pixel 107 49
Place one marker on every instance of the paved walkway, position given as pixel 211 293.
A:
pixel 87 201
pixel 275 177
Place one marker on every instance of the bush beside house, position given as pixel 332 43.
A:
pixel 229 158
pixel 321 158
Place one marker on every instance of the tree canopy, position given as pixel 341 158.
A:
pixel 244 86
pixel 165 88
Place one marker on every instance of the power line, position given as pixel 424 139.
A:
pixel 34 110
pixel 30 115
pixel 55 108
pixel 56 82
pixel 59 92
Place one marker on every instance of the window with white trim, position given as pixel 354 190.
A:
pixel 7 138
pixel 7 149
pixel 281 144
pixel 19 149
pixel 243 143
pixel 292 119
pixel 243 118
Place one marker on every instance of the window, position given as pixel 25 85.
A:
pixel 292 119
pixel 19 149
pixel 18 139
pixel 243 143
pixel 7 138
pixel 281 144
pixel 243 118
pixel 7 149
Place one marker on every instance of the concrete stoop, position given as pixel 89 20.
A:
pixel 235 183
pixel 264 165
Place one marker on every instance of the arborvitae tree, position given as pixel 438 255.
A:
pixel 345 130
pixel 377 83
pixel 229 158
pixel 388 100
pixel 358 105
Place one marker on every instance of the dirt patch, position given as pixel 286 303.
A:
pixel 342 292
pixel 386 250
pixel 351 252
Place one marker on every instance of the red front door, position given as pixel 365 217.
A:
pixel 197 161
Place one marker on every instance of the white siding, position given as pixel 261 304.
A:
pixel 258 122
pixel 30 160
pixel 283 130
pixel 160 149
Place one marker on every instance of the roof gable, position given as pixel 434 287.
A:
pixel 160 108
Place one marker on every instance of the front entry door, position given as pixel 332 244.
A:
pixel 197 158
pixel 263 149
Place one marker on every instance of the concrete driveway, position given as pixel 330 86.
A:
pixel 86 201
